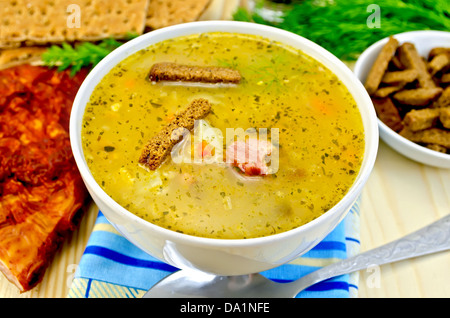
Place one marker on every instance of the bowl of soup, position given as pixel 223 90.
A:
pixel 223 146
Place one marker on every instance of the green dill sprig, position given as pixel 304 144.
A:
pixel 84 54
pixel 341 27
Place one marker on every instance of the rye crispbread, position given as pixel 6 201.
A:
pixel 162 13
pixel 32 22
pixel 21 55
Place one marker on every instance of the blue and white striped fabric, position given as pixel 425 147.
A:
pixel 112 267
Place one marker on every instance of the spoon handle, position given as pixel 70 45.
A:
pixel 430 239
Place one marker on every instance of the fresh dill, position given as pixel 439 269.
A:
pixel 84 54
pixel 341 26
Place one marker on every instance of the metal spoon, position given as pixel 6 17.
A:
pixel 184 283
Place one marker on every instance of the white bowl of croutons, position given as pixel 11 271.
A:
pixel 408 78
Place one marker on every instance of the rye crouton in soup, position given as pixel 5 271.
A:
pixel 275 139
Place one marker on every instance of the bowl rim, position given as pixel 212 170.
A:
pixel 385 130
pixel 136 44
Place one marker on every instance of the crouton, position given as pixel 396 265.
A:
pixel 388 90
pixel 444 116
pixel 421 119
pixel 160 146
pixel 188 73
pixel 380 66
pixel 399 76
pixel 444 99
pixel 411 59
pixel 438 50
pixel 388 113
pixel 439 63
pixel 418 96
pixel 428 136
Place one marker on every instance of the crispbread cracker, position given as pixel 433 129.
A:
pixel 162 13
pixel 55 21
pixel 22 55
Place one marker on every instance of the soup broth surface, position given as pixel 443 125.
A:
pixel 320 137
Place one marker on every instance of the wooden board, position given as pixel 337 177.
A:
pixel 400 197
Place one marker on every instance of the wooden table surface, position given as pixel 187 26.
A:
pixel 400 197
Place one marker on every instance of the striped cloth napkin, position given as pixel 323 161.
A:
pixel 112 267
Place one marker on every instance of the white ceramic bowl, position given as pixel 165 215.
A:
pixel 424 42
pixel 218 256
